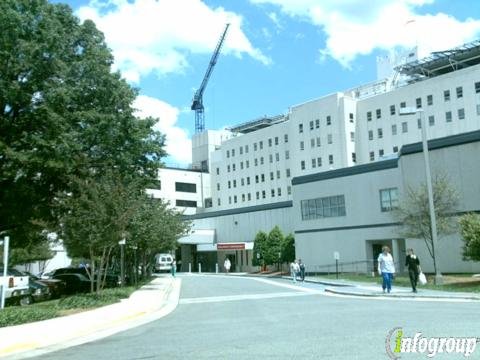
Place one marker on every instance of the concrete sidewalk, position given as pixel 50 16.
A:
pixel 150 302
pixel 352 288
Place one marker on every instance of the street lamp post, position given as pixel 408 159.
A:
pixel 431 207
pixel 122 261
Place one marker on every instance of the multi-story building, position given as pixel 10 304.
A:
pixel 251 170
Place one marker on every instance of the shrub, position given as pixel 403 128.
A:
pixel 19 315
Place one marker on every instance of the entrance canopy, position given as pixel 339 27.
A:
pixel 198 236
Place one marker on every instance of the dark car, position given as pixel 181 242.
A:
pixel 111 279
pixel 75 283
pixel 57 287
pixel 38 291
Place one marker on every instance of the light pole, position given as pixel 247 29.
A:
pixel 5 243
pixel 431 207
pixel 122 261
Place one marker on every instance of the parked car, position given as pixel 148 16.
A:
pixel 57 287
pixel 38 291
pixel 74 283
pixel 111 279
pixel 163 262
pixel 17 291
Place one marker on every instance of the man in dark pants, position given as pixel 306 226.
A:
pixel 413 265
pixel 302 270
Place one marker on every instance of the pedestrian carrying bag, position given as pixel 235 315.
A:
pixel 422 278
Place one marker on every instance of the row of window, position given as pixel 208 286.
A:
pixel 328 121
pixel 381 153
pixel 418 101
pixel 258 179
pixel 334 206
pixel 316 162
pixel 258 195
pixel 257 146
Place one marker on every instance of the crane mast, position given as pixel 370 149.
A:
pixel 197 103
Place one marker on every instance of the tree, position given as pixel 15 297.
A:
pixel 288 249
pixel 155 228
pixel 470 231
pixel 259 249
pixel 273 247
pixel 96 216
pixel 414 215
pixel 63 114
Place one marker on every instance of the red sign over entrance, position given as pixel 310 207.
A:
pixel 231 246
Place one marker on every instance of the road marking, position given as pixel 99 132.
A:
pixel 211 299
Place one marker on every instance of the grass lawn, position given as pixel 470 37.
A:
pixel 452 282
pixel 16 315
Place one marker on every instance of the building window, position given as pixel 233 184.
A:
pixel 247 164
pixel 260 145
pixel 186 203
pixel 228 168
pixel 234 183
pixel 429 100
pixel 276 140
pixel 372 156
pixel 228 154
pixel 404 127
pixel 249 196
pixel 378 113
pixel 419 123
pixel 264 195
pixel 302 145
pixel 380 133
pixel 241 150
pixel 248 180
pixel 352 136
pixel 354 157
pixel 285 138
pixel 218 202
pixel 242 182
pixel 431 120
pixel 243 197
pixel 370 134
pixel 256 179
pixel 277 157
pixel 233 152
pixel 392 109
pixel 403 104
pixel 218 186
pixel 461 114
pixel 369 116
pixel 289 190
pixel 395 149
pixel 330 159
pixel 233 167
pixel 185 187
pixel 255 162
pixel 319 161
pixel 448 116
pixel 300 128
pixel 314 163
pixel 262 176
pixel 246 149
pixel 380 153
pixel 329 120
pixel 446 95
pixel 459 92
pixel 229 199
pixel 302 165
pixel 388 199
pixel 272 175
pixel 278 174
pixel 272 192
pixel 279 192
pixel 311 125
pixel 330 138
pixel 318 142
pixel 317 123
pixel 331 206
pixel 312 142
pixel 229 184
pixel 234 199
pixel 477 87
pixel 287 154
pixel 261 160
pixel 218 171
pixel 257 195
pixel 350 117
pixel 270 142
pixel 394 129
pixel 418 101
pixel 270 157
pixel 287 171
pixel 254 146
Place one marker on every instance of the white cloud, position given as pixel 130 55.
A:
pixel 354 28
pixel 178 144
pixel 158 35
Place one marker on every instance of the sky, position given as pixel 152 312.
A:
pixel 276 54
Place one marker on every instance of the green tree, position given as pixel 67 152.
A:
pixel 470 231
pixel 259 249
pixel 63 114
pixel 272 253
pixel 288 249
pixel 414 215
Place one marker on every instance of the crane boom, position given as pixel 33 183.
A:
pixel 197 103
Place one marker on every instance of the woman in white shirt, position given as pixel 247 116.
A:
pixel 386 268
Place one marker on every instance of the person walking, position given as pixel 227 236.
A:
pixel 413 265
pixel 302 270
pixel 227 264
pixel 386 268
pixel 294 270
pixel 174 267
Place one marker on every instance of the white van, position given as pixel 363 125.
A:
pixel 163 262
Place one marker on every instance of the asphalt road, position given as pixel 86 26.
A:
pixel 229 317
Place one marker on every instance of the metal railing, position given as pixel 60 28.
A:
pixel 366 267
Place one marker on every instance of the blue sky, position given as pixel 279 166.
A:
pixel 278 53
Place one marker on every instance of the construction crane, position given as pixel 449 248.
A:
pixel 197 103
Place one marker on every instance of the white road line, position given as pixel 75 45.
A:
pixel 241 297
